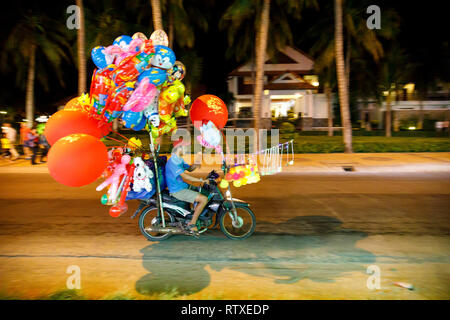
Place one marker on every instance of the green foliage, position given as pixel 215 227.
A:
pixel 325 144
pixel 287 127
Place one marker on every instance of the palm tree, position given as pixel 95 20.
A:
pixel 156 14
pixel 395 71
pixel 38 40
pixel 342 79
pixel 271 22
pixel 260 54
pixel 359 41
pixel 81 51
pixel 183 17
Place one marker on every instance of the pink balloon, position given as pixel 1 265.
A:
pixel 114 180
pixel 141 97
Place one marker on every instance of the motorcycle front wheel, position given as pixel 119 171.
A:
pixel 149 217
pixel 240 229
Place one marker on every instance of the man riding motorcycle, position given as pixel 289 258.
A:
pixel 176 169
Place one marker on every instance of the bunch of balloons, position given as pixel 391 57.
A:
pixel 139 80
pixel 241 175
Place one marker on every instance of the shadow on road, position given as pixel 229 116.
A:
pixel 305 247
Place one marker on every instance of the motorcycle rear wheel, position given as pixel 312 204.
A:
pixel 243 231
pixel 149 217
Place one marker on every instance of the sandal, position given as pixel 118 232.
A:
pixel 190 228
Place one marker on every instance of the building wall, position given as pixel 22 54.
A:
pixel 320 108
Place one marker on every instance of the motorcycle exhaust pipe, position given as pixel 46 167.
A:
pixel 165 230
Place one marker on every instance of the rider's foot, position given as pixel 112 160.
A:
pixel 192 227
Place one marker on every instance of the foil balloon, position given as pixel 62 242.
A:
pixel 177 72
pixel 101 57
pixel 210 137
pixel 120 96
pixel 131 67
pixel 132 119
pixel 100 88
pixel 164 57
pixel 142 97
pixel 139 35
pixel 114 180
pixel 122 42
pixel 156 76
pixel 159 37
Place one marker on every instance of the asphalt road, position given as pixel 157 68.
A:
pixel 316 236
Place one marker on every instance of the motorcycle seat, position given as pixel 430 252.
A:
pixel 166 197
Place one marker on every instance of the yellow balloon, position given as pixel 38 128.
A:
pixel 135 142
pixel 237 183
pixel 223 184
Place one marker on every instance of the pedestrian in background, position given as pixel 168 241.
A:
pixel 24 130
pixel 45 146
pixel 11 135
pixel 33 143
pixel 5 146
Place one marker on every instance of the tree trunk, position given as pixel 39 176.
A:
pixel 420 122
pixel 330 110
pixel 156 14
pixel 171 29
pixel 29 100
pixel 388 117
pixel 260 55
pixel 342 80
pixel 347 62
pixel 81 52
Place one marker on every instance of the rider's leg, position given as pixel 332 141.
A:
pixel 201 203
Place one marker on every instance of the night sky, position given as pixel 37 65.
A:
pixel 423 33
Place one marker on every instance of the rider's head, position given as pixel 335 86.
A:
pixel 179 147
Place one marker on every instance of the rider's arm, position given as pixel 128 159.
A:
pixel 188 177
pixel 193 167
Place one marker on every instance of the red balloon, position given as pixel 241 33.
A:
pixel 65 122
pixel 209 107
pixel 77 159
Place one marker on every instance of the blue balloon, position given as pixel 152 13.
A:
pixel 99 58
pixel 140 125
pixel 122 41
pixel 156 76
pixel 131 118
pixel 164 57
pixel 134 120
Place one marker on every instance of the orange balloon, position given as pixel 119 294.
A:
pixel 65 122
pixel 77 159
pixel 209 108
pixel 73 104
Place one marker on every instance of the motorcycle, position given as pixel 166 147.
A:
pixel 234 216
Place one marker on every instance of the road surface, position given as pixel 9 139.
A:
pixel 316 236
